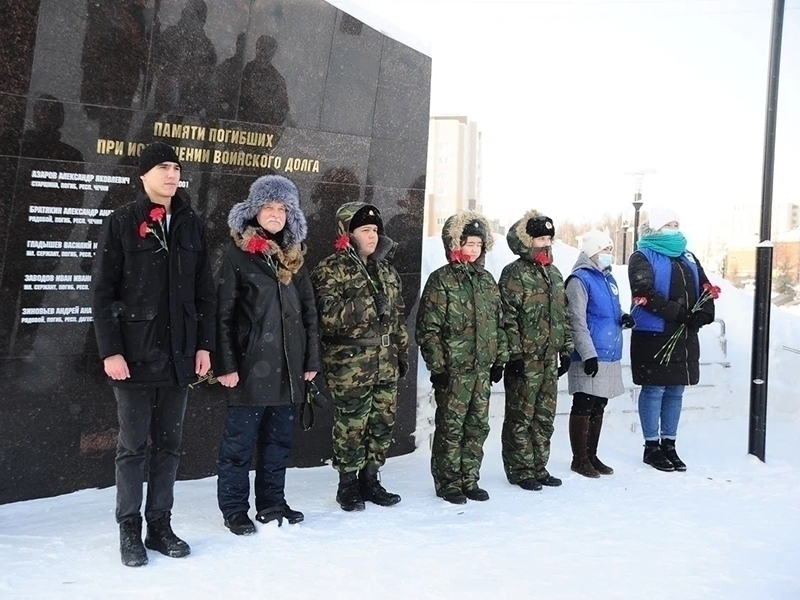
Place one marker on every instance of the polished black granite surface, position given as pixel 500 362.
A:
pixel 241 88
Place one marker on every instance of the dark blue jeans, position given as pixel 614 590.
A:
pixel 660 405
pixel 268 429
pixel 158 414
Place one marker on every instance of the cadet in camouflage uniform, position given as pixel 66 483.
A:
pixel 460 333
pixel 364 350
pixel 539 345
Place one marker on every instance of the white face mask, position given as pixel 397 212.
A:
pixel 605 260
pixel 670 231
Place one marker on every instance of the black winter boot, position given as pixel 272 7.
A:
pixel 530 484
pixel 348 495
pixel 131 548
pixel 549 480
pixel 595 426
pixel 578 436
pixel 654 456
pixel 293 516
pixel 240 524
pixel 477 494
pixel 371 488
pixel 668 448
pixel 161 538
pixel 272 513
pixel 456 497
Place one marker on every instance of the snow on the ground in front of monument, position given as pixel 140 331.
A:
pixel 729 527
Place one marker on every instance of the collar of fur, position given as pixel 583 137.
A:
pixel 289 258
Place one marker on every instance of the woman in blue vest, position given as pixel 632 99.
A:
pixel 671 280
pixel 595 374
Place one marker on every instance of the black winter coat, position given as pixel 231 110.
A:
pixel 683 367
pixel 263 326
pixel 154 308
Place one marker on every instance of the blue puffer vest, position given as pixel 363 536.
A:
pixel 603 313
pixel 662 283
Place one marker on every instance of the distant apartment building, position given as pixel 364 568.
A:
pixel 453 180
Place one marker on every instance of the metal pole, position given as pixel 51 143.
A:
pixel 759 366
pixel 624 260
pixel 637 205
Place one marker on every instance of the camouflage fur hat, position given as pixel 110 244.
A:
pixel 466 223
pixel 271 188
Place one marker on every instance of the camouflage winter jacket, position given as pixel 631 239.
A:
pixel 460 320
pixel 347 311
pixel 534 302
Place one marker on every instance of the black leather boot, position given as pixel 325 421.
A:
pixel 578 436
pixel 161 538
pixel 595 426
pixel 668 448
pixel 654 456
pixel 240 524
pixel 371 488
pixel 131 548
pixel 348 495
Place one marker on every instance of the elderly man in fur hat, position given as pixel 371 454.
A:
pixel 365 350
pixel 153 310
pixel 460 333
pixel 267 349
pixel 539 347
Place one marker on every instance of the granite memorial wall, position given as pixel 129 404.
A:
pixel 241 88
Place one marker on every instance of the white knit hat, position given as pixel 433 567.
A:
pixel 594 241
pixel 658 216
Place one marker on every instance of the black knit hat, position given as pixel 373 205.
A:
pixel 155 154
pixel 474 227
pixel 367 215
pixel 539 226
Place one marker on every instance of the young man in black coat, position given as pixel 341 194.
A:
pixel 267 349
pixel 153 307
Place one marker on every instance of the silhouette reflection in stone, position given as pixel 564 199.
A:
pixel 336 186
pixel 111 77
pixel 263 98
pixel 43 140
pixel 226 81
pixel 405 228
pixel 183 57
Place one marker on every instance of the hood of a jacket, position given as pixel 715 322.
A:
pixel 519 241
pixel 453 231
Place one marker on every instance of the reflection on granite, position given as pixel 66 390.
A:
pixel 241 88
pixel 18 34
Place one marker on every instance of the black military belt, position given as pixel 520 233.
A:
pixel 384 340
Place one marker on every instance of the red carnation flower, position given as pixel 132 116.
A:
pixel 640 301
pixel 458 256
pixel 157 214
pixel 342 242
pixel 712 290
pixel 143 229
pixel 256 244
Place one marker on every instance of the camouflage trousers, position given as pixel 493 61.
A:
pixel 462 425
pixel 363 419
pixel 528 423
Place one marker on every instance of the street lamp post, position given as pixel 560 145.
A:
pixel 624 258
pixel 637 206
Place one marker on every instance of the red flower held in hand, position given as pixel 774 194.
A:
pixel 143 229
pixel 640 301
pixel 157 214
pixel 257 244
pixel 712 290
pixel 342 242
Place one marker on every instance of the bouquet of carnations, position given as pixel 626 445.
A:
pixel 665 353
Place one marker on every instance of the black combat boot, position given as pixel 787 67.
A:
pixel 476 493
pixel 530 484
pixel 240 524
pixel 371 488
pixel 454 497
pixel 654 456
pixel 578 437
pixel 668 448
pixel 161 538
pixel 131 548
pixel 549 480
pixel 348 495
pixel 595 426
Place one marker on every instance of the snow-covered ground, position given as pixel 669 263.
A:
pixel 727 528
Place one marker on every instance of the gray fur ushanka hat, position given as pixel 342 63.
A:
pixel 271 188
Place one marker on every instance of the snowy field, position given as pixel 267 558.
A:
pixel 727 528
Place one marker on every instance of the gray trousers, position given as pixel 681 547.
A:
pixel 157 413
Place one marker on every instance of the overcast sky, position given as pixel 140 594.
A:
pixel 573 95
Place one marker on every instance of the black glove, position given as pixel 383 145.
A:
pixel 515 368
pixel 402 366
pixel 696 320
pixel 381 303
pixel 590 366
pixel 440 381
pixel 563 364
pixel 496 373
pixel 627 321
